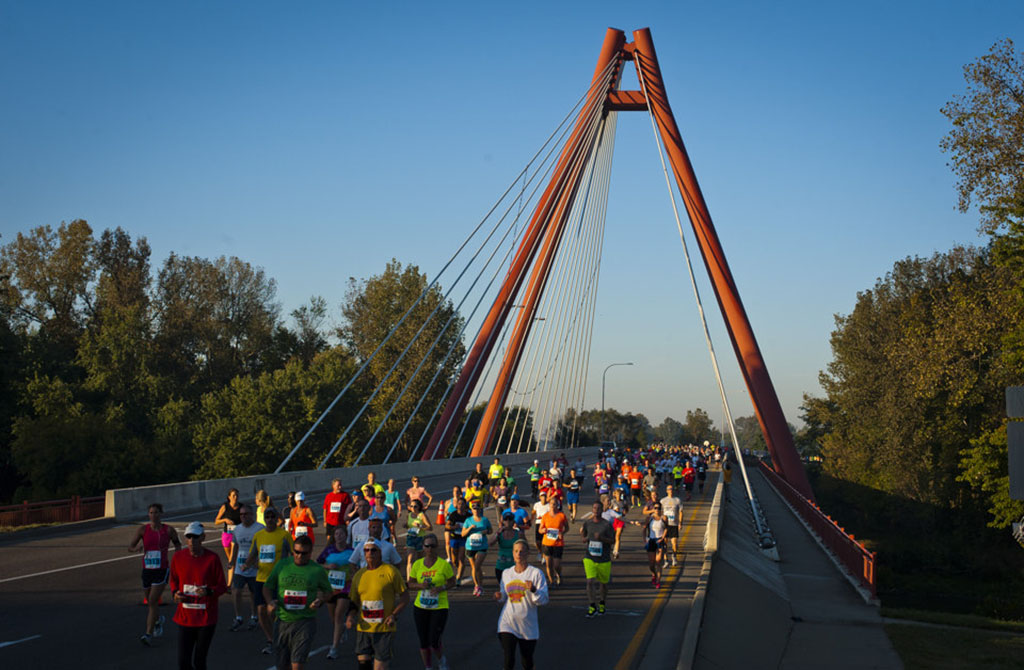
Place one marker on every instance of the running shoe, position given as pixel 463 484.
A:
pixel 146 640
pixel 591 611
pixel 268 648
pixel 158 629
pixel 237 625
pixel 657 583
pixel 477 591
pixel 558 580
pixel 333 653
pixel 674 564
pixel 600 609
pixel 253 622
pixel 442 663
pixel 615 555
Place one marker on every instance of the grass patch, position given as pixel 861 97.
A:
pixel 950 619
pixel 15 529
pixel 925 648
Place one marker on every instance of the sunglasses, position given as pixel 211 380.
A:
pixel 429 546
pixel 301 553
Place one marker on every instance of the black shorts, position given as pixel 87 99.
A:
pixel 688 486
pixel 655 545
pixel 329 531
pixel 256 588
pixel 156 577
pixel 672 531
pixel 377 645
pixel 553 552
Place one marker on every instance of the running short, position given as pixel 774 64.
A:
pixel 495 482
pixel 618 524
pixel 329 532
pixel 240 582
pixel 293 641
pixel 635 491
pixel 377 645
pixel 429 626
pixel 688 486
pixel 552 551
pixel 225 539
pixel 655 545
pixel 414 542
pixel 572 497
pixel 457 542
pixel 672 531
pixel 538 535
pixel 601 571
pixel 156 577
pixel 470 553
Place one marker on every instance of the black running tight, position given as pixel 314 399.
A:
pixel 526 648
pixel 193 646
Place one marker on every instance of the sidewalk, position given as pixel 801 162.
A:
pixel 799 613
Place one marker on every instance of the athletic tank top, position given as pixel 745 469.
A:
pixel 234 514
pixel 154 547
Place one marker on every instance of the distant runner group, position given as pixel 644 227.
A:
pixel 364 581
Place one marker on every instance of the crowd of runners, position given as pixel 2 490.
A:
pixel 364 583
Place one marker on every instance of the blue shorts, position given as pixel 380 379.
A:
pixel 572 497
pixel 457 542
pixel 256 588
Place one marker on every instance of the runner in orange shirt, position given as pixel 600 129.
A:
pixel 302 518
pixel 553 527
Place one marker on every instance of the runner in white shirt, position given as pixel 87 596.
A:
pixel 388 553
pixel 523 589
pixel 539 510
pixel 242 578
pixel 672 507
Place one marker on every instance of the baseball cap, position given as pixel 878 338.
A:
pixel 515 496
pixel 300 496
pixel 194 528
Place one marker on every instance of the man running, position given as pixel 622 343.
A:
pixel 269 546
pixel 540 508
pixel 598 538
pixel 553 527
pixel 672 507
pixel 295 590
pixel 389 554
pixel 534 472
pixel 336 508
pixel 155 537
pixel 378 596
pixel 244 578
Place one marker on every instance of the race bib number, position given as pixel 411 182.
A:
pixel 429 599
pixel 359 538
pixel 152 560
pixel 301 530
pixel 294 600
pixel 229 528
pixel 534 477
pixel 671 518
pixel 268 553
pixel 552 533
pixel 193 596
pixel 335 507
pixel 243 556
pixel 414 531
pixel 373 611
pixel 501 500
pixel 595 548
pixel 337 579
pixel 476 542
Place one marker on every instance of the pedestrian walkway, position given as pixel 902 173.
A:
pixel 795 614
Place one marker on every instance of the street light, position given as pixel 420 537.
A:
pixel 603 377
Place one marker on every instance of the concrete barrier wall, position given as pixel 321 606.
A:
pixel 132 504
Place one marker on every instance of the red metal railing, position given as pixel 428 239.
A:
pixel 52 511
pixel 851 553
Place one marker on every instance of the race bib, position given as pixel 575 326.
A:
pixel 229 528
pixel 243 556
pixel 552 533
pixel 268 553
pixel 335 507
pixel 671 516
pixel 476 542
pixel 373 611
pixel 193 596
pixel 428 600
pixel 595 548
pixel 414 531
pixel 534 477
pixel 301 530
pixel 359 538
pixel 152 560
pixel 337 579
pixel 501 500
pixel 294 600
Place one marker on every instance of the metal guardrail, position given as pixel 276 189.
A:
pixel 848 551
pixel 52 511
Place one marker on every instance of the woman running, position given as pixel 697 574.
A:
pixel 615 512
pixel 475 530
pixel 501 495
pixel 457 543
pixel 155 537
pixel 506 540
pixel 334 558
pixel 523 588
pixel 263 501
pixel 657 529
pixel 417 524
pixel 431 577
pixel 572 494
pixel 230 515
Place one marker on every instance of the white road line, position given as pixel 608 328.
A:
pixel 312 653
pixel 14 642
pixel 83 565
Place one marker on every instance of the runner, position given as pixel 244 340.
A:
pixel 635 479
pixel 335 559
pixel 302 518
pixel 153 539
pixel 677 476
pixel 457 543
pixel 506 538
pixel 540 508
pixel 572 494
pixel 295 590
pixel 553 527
pixel 655 536
pixel 495 473
pixel 197 581
pixel 616 513
pixel 523 589
pixel 359 527
pixel 336 508
pixel 501 494
pixel 673 509
pixel 598 538
pixel 431 577
pixel 269 546
pixel 702 474
pixel 475 493
pixel 385 514
pixel 392 499
pixel 534 472
pixel 519 514
pixel 229 517
pixel 688 476
pixel 417 525
pixel 650 483
pixel 389 554
pixel 263 501
pixel 371 481
pixel 726 476
pixel 476 529
pixel 244 578
pixel 417 492
pixel 443 510
pixel 378 595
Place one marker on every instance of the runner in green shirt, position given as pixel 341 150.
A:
pixel 295 589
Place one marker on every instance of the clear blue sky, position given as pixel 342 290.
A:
pixel 320 139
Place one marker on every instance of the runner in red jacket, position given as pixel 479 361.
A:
pixel 197 581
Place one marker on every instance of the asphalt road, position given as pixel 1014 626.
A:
pixel 71 598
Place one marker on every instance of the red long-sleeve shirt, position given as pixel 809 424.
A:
pixel 189 575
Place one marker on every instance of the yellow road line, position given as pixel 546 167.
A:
pixel 628 657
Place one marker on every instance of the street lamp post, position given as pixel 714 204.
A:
pixel 603 377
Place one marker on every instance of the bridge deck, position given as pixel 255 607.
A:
pixel 73 597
